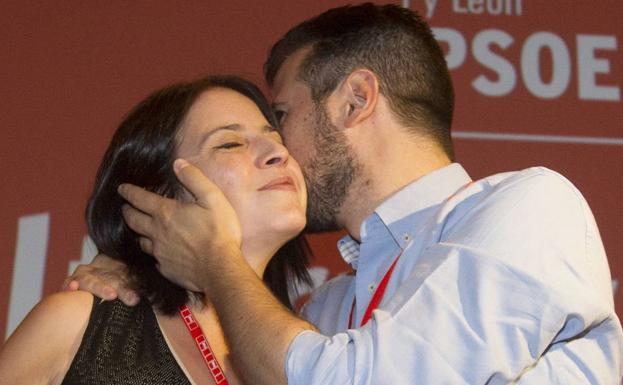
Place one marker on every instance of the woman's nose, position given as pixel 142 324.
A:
pixel 272 154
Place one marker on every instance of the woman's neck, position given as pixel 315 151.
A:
pixel 256 255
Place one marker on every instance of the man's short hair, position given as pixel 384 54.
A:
pixel 393 42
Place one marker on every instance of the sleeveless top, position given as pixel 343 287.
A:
pixel 123 345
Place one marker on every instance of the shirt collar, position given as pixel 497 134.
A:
pixel 397 212
pixel 349 249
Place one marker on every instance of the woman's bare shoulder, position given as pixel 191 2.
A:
pixel 44 344
pixel 66 304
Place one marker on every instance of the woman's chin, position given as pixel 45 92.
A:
pixel 289 229
pixel 276 229
pixel 291 222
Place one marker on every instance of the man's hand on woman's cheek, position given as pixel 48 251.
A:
pixel 105 278
pixel 187 238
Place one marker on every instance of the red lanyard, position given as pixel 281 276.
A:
pixel 202 344
pixel 380 291
pixel 376 298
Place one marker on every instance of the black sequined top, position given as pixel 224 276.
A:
pixel 123 345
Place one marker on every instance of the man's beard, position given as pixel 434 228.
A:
pixel 328 174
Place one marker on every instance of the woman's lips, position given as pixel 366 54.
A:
pixel 282 183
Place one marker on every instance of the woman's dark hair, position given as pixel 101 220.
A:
pixel 142 152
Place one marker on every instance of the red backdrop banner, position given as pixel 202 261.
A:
pixel 537 83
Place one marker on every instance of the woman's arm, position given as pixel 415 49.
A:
pixel 45 343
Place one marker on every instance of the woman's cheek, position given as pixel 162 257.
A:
pixel 229 180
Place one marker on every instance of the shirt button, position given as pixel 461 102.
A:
pixel 371 287
pixel 406 237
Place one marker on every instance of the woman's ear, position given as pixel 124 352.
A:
pixel 360 95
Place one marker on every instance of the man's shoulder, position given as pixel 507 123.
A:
pixel 529 188
pixel 530 178
pixel 532 204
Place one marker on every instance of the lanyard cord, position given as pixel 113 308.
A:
pixel 380 291
pixel 202 344
pixel 376 298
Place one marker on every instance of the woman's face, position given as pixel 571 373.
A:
pixel 228 138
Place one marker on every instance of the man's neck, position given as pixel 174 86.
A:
pixel 385 172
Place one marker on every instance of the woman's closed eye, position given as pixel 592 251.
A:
pixel 228 145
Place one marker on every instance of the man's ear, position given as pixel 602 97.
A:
pixel 359 94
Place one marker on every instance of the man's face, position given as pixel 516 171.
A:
pixel 321 148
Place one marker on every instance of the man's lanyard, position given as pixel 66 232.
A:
pixel 380 291
pixel 202 344
pixel 376 298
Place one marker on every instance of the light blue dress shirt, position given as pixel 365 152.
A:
pixel 504 280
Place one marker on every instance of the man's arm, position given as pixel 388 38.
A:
pixel 258 328
pixel 472 331
pixel 478 316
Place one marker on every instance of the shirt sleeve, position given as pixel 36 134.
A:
pixel 512 294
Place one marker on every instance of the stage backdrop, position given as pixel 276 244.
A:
pixel 537 83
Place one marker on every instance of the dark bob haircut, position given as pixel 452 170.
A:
pixel 142 152
pixel 389 40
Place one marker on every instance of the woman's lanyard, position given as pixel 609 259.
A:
pixel 376 298
pixel 202 344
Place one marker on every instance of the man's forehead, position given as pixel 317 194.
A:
pixel 291 93
pixel 287 74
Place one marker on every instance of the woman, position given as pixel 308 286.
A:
pixel 225 127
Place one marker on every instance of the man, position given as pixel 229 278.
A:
pixel 502 280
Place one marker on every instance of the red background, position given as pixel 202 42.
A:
pixel 71 70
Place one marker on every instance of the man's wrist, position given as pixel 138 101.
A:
pixel 225 267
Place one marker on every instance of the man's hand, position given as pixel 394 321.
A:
pixel 104 277
pixel 187 238
pixel 198 246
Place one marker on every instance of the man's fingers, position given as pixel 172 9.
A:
pixel 88 278
pixel 94 285
pixel 146 245
pixel 146 201
pixel 137 220
pixel 102 261
pixel 104 277
pixel 199 185
pixel 69 284
pixel 127 296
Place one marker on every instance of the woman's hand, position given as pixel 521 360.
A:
pixel 103 277
pixel 187 238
